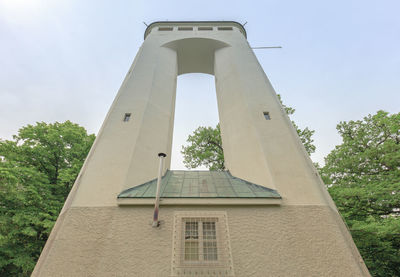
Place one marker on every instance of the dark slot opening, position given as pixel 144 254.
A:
pixel 127 117
pixel 225 28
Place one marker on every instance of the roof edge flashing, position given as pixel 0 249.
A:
pixel 201 201
pixel 195 23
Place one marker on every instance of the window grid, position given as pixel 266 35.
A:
pixel 200 240
pixel 201 245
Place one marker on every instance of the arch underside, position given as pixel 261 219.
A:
pixel 196 55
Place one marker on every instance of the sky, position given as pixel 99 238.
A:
pixel 66 59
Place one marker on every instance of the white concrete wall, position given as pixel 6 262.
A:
pixel 125 153
pixel 266 152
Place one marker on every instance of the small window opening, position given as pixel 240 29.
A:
pixel 165 28
pixel 185 28
pixel 267 116
pixel 205 28
pixel 225 28
pixel 201 244
pixel 127 117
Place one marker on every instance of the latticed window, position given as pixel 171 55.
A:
pixel 200 239
pixel 201 244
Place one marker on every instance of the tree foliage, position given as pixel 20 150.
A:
pixel 37 170
pixel 205 145
pixel 205 148
pixel 304 134
pixel 363 176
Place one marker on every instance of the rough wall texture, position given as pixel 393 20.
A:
pixel 265 241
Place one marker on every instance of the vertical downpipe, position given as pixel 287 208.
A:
pixel 156 222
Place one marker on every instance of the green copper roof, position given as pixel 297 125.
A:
pixel 200 184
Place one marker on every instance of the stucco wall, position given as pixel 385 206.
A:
pixel 265 241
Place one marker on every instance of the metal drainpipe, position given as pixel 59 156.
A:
pixel 156 222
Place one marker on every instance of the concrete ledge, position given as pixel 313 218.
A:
pixel 200 201
pixel 195 23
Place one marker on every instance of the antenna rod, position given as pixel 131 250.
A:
pixel 156 222
pixel 266 47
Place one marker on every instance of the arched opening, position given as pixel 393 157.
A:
pixel 196 105
pixel 195 55
pixel 196 102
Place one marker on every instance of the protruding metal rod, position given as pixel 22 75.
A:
pixel 266 47
pixel 156 222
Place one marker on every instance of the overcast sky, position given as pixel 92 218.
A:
pixel 65 60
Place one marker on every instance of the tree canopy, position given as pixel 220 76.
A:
pixel 205 148
pixel 363 177
pixel 37 170
pixel 205 145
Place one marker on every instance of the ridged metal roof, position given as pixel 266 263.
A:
pixel 200 184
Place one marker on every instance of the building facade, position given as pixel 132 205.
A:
pixel 268 215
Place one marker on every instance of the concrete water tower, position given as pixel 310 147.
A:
pixel 269 215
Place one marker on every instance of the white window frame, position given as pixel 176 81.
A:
pixel 222 266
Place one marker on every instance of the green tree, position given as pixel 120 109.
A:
pixel 37 170
pixel 304 134
pixel 363 178
pixel 205 148
pixel 205 145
